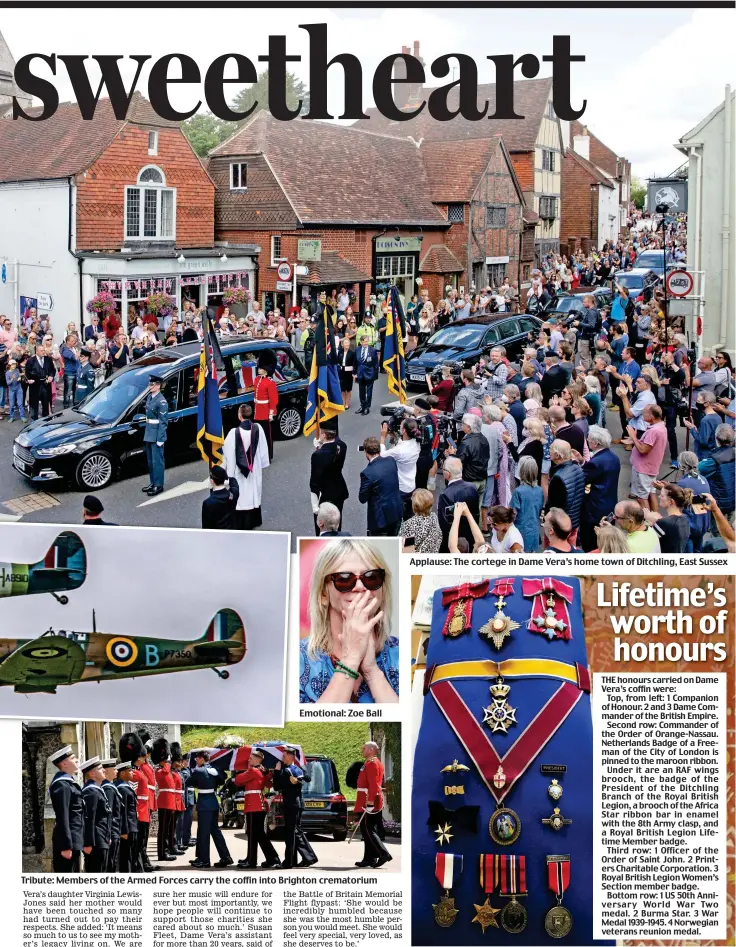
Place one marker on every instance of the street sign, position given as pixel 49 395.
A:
pixel 679 283
pixel 284 271
pixel 283 286
pixel 301 270
pixel 45 301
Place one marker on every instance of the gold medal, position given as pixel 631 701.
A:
pixel 459 620
pixel 554 790
pixel 513 917
pixel 499 628
pixel 485 915
pixel 504 826
pixel 445 913
pixel 558 921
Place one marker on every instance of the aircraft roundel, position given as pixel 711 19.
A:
pixel 121 652
pixel 45 653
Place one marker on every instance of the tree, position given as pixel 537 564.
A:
pixel 258 93
pixel 638 193
pixel 205 131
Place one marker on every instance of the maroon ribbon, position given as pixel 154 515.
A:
pixel 539 589
pixel 503 587
pixel 464 594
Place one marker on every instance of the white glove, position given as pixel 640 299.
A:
pixel 159 443
pixel 369 809
pixel 315 502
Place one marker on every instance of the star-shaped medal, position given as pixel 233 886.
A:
pixel 443 833
pixel 500 714
pixel 486 915
pixel 498 628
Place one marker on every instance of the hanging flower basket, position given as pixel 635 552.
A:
pixel 103 304
pixel 160 304
pixel 234 295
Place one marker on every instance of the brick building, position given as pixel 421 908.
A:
pixel 589 205
pixel 534 143
pixel 380 209
pixel 119 205
pixel 600 155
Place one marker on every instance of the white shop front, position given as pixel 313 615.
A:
pixel 200 276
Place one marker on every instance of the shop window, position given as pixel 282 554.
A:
pixel 496 273
pixel 495 217
pixel 456 213
pixel 150 208
pixel 239 176
pixel 387 265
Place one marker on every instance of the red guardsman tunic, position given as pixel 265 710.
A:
pixel 140 784
pixel 166 790
pixel 370 782
pixel 147 771
pixel 178 790
pixel 254 781
pixel 265 398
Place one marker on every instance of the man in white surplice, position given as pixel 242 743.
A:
pixel 245 454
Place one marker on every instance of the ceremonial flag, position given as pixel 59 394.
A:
pixel 393 346
pixel 209 412
pixel 236 759
pixel 324 398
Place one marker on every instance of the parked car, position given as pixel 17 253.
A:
pixel 466 340
pixel 325 807
pixel 569 305
pixel 639 282
pixel 93 442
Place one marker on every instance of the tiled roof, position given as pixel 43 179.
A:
pixel 336 174
pixel 333 268
pixel 599 176
pixel 65 144
pixel 454 170
pixel 530 100
pixel 440 259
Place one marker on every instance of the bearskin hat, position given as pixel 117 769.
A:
pixel 160 750
pixel 131 748
pixel 176 754
pixel 351 777
pixel 267 361
pixel 146 738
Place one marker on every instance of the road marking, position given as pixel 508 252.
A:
pixel 31 502
pixel 189 486
pixel 8 518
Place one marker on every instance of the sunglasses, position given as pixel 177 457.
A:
pixel 346 581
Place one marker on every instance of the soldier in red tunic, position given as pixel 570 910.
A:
pixel 177 761
pixel 132 750
pixel 369 805
pixel 166 799
pixel 254 781
pixel 147 771
pixel 266 397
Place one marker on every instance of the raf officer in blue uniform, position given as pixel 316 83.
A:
pixel 154 436
pixel 205 779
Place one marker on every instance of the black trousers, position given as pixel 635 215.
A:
pixel 96 861
pixel 128 854
pixel 296 840
pixel 255 827
pixel 267 428
pixel 371 830
pixel 339 525
pixel 66 866
pixel 365 389
pixel 184 826
pixel 587 537
pixel 144 830
pixel 391 529
pixel 670 420
pixel 39 391
pixel 208 828
pixel 174 830
pixel 165 827
pixel 113 855
pixel 424 465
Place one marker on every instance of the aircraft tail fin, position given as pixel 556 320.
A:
pixel 67 553
pixel 226 625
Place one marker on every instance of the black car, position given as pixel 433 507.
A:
pixel 94 441
pixel 572 305
pixel 466 340
pixel 325 807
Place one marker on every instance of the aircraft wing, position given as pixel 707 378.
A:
pixel 43 664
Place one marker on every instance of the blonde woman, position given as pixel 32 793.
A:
pixel 350 655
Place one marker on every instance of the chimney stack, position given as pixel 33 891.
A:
pixel 416 49
pixel 581 145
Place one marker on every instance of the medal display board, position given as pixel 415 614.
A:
pixel 508 696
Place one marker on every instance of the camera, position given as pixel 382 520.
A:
pixel 455 369
pixel 395 417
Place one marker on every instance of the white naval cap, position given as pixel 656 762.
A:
pixel 108 764
pixel 62 754
pixel 123 765
pixel 90 763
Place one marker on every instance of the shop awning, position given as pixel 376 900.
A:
pixel 440 259
pixel 332 270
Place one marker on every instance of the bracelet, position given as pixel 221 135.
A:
pixel 339 666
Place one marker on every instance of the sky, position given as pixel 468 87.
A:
pixel 648 78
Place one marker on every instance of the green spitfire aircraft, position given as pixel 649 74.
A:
pixel 64 567
pixel 55 658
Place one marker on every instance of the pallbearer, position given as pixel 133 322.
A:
pixel 254 781
pixel 97 816
pixel 147 770
pixel 165 799
pixel 206 779
pixel 288 779
pixel 115 802
pixel 66 798
pixel 125 784
pixel 369 807
pixel 177 762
